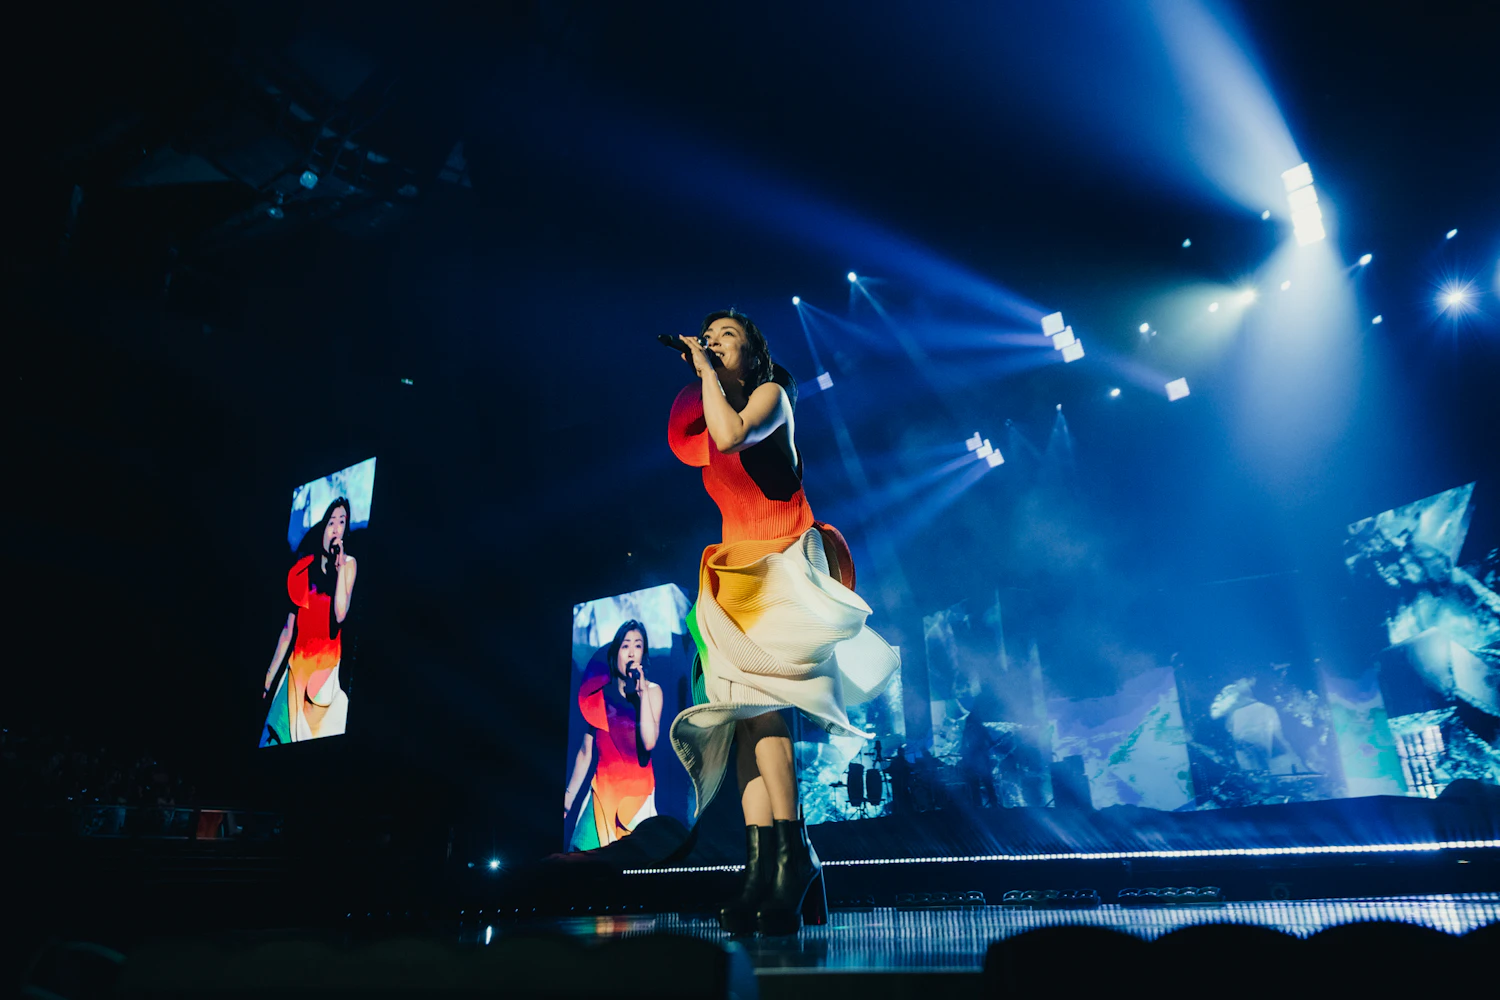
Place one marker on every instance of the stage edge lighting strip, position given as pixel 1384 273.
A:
pixel 1222 852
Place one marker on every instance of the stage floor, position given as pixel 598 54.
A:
pixel 886 939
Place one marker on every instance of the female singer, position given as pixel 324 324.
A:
pixel 309 701
pixel 777 623
pixel 622 707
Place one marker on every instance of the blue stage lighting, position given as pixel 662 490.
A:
pixel 1114 393
pixel 1073 351
pixel 1266 214
pixel 974 443
pixel 1145 327
pixel 824 380
pixel 994 458
pixel 1286 284
pixel 275 212
pixel 1061 341
pixel 494 864
pixel 1455 298
pixel 796 300
pixel 1177 389
pixel 1246 297
pixel 1307 217
pixel 985 449
pixel 1213 307
pixel 1186 244
pixel 1052 324
pixel 853 276
pixel 1059 407
pixel 309 179
pixel 1378 320
pixel 1451 233
pixel 1366 259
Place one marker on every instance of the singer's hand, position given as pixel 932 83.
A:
pixel 702 364
pixel 342 557
pixel 641 684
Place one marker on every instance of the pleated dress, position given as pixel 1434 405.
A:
pixel 777 623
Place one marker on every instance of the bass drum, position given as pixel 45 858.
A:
pixel 854 784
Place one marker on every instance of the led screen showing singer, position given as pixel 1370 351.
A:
pixel 309 678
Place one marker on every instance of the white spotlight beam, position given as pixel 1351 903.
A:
pixel 1307 216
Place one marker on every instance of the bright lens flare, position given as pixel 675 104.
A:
pixel 853 276
pixel 1456 298
pixel 1246 297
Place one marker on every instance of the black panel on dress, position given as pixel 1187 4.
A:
pixel 767 464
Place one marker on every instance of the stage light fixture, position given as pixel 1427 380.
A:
pixel 985 449
pixel 1052 323
pixel 796 300
pixel 1307 216
pixel 1145 327
pixel 1246 297
pixel 1213 307
pixel 1114 393
pixel 489 934
pixel 494 864
pixel 1059 407
pixel 1177 389
pixel 309 179
pixel 1073 351
pixel 824 380
pixel 1365 260
pixel 1378 320
pixel 275 212
pixel 1286 284
pixel 1451 233
pixel 1266 214
pixel 974 443
pixel 994 458
pixel 853 276
pixel 1455 297
pixel 1062 340
pixel 1186 244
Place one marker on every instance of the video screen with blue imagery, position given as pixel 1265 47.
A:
pixel 1231 704
pixel 631 656
pixel 311 673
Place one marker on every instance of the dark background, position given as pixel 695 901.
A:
pixel 179 363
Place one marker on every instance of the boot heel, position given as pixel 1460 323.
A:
pixel 815 904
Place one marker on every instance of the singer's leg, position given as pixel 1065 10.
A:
pixel 754 801
pixel 772 751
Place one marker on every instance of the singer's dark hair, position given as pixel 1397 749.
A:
pixel 312 542
pixel 762 368
pixel 613 656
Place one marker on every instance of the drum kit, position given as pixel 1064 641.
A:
pixel 865 784
pixel 875 780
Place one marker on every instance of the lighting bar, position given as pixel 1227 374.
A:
pixel 824 380
pixel 1221 852
pixel 1307 216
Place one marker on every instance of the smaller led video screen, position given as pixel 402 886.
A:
pixel 629 680
pixel 311 672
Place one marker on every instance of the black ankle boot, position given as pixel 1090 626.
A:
pixel 795 895
pixel 738 915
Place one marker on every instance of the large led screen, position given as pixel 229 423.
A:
pixel 629 680
pixel 311 672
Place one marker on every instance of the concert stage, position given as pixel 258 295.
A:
pixel 954 939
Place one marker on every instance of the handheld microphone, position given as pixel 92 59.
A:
pixel 667 340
